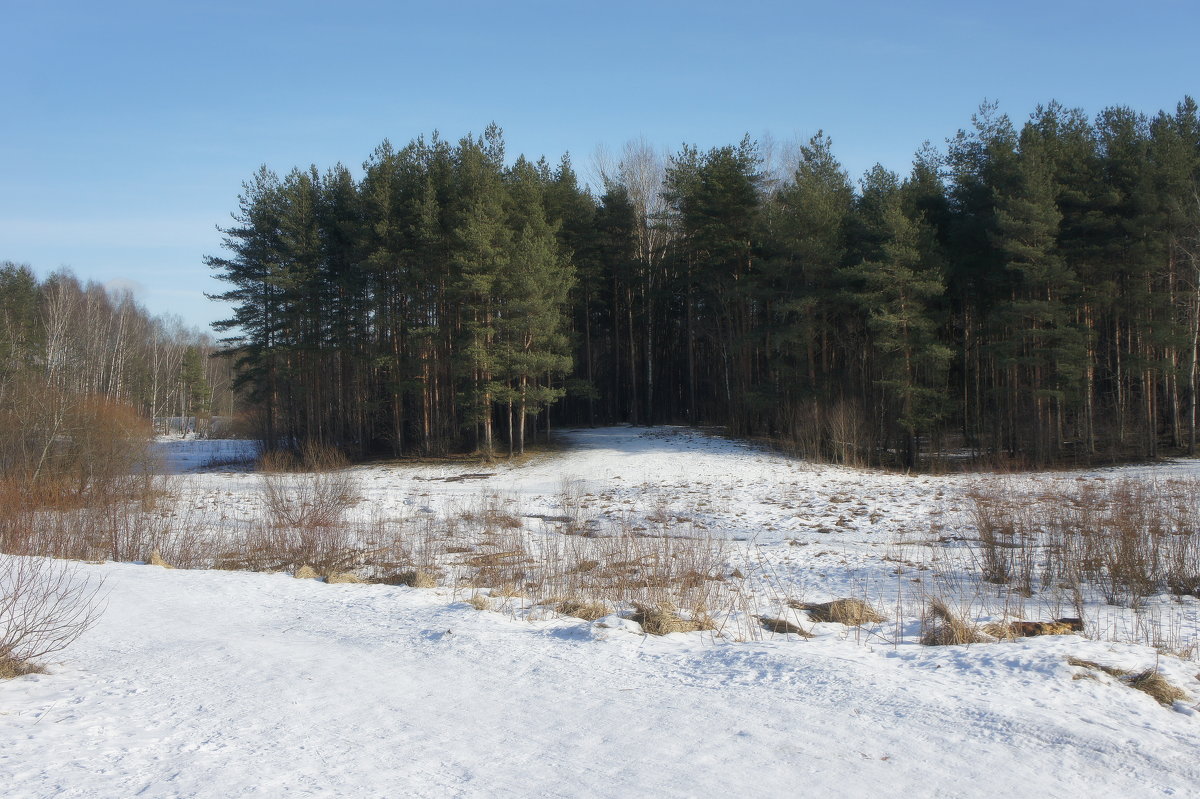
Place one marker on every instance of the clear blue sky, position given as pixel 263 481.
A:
pixel 128 127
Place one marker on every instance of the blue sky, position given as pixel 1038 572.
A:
pixel 129 126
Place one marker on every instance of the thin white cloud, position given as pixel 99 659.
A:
pixel 120 284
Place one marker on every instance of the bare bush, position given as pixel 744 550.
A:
pixel 44 606
pixel 840 433
pixel 261 545
pixel 307 492
pixel 127 528
pixel 64 451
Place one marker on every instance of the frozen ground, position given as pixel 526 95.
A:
pixel 206 683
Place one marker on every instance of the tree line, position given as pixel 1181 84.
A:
pixel 80 364
pixel 1027 292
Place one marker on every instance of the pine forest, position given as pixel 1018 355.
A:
pixel 1028 293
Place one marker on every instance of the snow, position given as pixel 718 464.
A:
pixel 215 683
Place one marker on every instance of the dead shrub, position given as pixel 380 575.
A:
pixel 44 606
pixel 77 477
pixel 104 529
pixel 309 457
pixel 67 451
pixel 307 492
pixel 259 546
pixel 942 627
pixel 851 612
pixel 575 519
pixel 493 512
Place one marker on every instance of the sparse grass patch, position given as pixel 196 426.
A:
pixel 1028 629
pixel 337 578
pixel 1127 539
pixel 11 668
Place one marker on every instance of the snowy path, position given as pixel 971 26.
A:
pixel 220 684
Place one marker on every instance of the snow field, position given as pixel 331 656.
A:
pixel 216 683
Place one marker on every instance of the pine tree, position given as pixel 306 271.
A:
pixel 255 269
pixel 895 284
pixel 534 289
pixel 22 338
pixel 716 200
pixel 804 235
pixel 482 250
pixel 1039 348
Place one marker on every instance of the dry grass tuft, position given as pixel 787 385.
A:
pixel 12 667
pixel 943 627
pixel 306 573
pixel 1149 682
pixel 479 602
pixel 783 626
pixel 336 578
pixel 580 609
pixel 663 619
pixel 851 612
pixel 1152 683
pixel 1027 629
pixel 415 578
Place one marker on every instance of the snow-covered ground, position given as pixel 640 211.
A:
pixel 214 683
